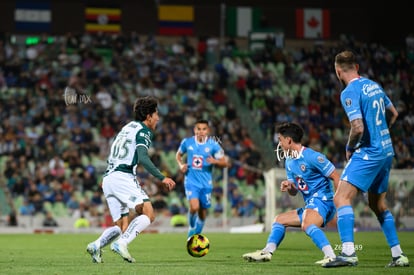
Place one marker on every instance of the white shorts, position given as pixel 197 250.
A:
pixel 122 192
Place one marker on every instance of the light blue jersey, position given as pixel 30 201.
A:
pixel 364 98
pixel 199 173
pixel 310 172
pixel 198 178
pixel 370 164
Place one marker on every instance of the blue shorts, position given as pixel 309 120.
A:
pixel 368 175
pixel 326 209
pixel 203 194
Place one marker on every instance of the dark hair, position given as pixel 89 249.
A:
pixel 346 60
pixel 202 121
pixel 145 106
pixel 292 130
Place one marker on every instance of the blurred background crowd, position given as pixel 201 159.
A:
pixel 62 103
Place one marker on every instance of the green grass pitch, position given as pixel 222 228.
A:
pixel 40 254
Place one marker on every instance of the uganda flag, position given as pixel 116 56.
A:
pixel 102 20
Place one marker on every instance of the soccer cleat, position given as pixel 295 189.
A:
pixel 342 260
pixel 95 253
pixel 122 250
pixel 400 261
pixel 325 260
pixel 258 256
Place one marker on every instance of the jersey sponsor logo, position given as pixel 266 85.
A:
pixel 197 162
pixel 132 198
pixel 371 89
pixel 145 135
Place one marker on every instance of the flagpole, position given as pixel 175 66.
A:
pixel 222 24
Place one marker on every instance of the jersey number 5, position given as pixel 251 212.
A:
pixel 120 148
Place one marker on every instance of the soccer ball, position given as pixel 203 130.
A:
pixel 198 245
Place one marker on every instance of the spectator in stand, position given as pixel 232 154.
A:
pixel 82 222
pixel 160 204
pixel 107 131
pixel 27 208
pixel 236 201
pixel 49 220
pixel 12 218
pixel 57 167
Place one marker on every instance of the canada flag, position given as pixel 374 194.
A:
pixel 312 23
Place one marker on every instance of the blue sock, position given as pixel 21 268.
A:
pixel 317 236
pixel 387 222
pixel 199 225
pixel 345 223
pixel 192 219
pixel 277 234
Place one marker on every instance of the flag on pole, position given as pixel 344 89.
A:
pixel 241 20
pixel 313 23
pixel 99 19
pixel 175 20
pixel 33 16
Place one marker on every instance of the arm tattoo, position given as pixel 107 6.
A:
pixel 356 132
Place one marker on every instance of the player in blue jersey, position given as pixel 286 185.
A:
pixel 202 154
pixel 121 187
pixel 310 173
pixel 369 152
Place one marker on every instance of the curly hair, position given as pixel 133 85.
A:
pixel 144 106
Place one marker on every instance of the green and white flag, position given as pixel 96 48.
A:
pixel 241 20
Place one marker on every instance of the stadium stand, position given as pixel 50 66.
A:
pixel 68 100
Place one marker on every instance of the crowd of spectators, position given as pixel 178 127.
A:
pixel 62 103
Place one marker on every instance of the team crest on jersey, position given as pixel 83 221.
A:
pixel 206 149
pixel 302 186
pixel 321 159
pixel 197 162
pixel 303 167
pixel 348 102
